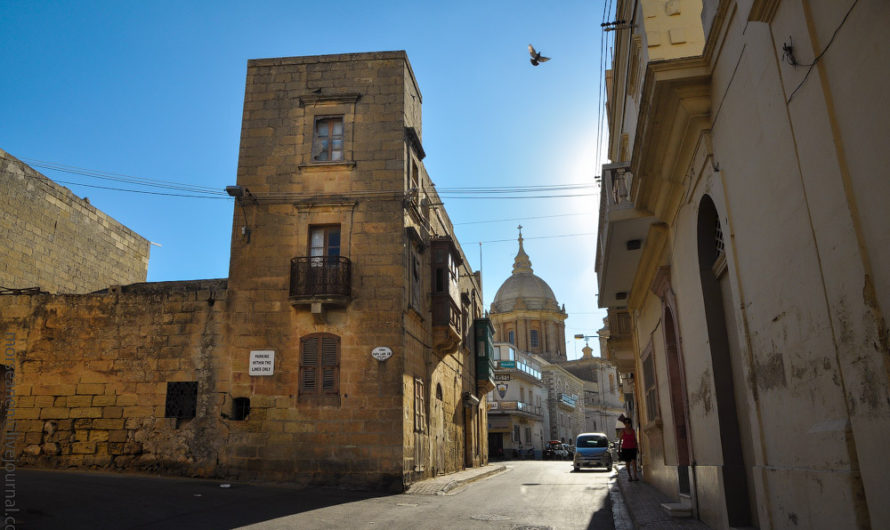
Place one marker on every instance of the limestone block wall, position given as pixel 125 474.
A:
pixel 57 241
pixel 91 374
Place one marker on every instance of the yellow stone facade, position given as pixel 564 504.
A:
pixel 57 241
pixel 341 350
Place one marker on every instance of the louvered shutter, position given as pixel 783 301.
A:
pixel 309 365
pixel 330 346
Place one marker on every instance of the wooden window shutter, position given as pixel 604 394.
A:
pixel 330 361
pixel 309 365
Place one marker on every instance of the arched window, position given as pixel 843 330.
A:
pixel 320 364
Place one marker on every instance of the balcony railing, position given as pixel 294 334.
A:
pixel 567 400
pixel 320 278
pixel 515 406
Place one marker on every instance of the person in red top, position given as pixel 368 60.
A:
pixel 627 451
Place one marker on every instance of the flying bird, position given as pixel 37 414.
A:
pixel 536 56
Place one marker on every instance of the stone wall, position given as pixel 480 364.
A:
pixel 91 375
pixel 59 242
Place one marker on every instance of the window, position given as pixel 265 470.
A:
pixel 649 386
pixel 240 408
pixel 419 409
pixel 511 337
pixel 413 177
pixel 320 364
pixel 533 338
pixel 516 434
pixel 324 241
pixel 182 399
pixel 416 283
pixel 327 143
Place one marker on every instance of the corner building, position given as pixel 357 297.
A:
pixel 340 245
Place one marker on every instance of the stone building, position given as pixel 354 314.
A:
pixel 565 403
pixel 742 255
pixel 603 402
pixel 517 407
pixel 347 347
pixel 57 242
pixel 525 312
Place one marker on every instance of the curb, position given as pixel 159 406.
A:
pixel 457 483
pixel 627 510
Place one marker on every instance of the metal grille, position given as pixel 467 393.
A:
pixel 718 237
pixel 320 276
pixel 182 399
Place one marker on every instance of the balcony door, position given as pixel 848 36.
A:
pixel 324 242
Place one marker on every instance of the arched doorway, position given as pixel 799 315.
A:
pixel 718 306
pixel 678 399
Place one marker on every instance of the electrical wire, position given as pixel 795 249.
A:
pixel 118 177
pixel 477 192
pixel 139 191
pixel 825 49
pixel 551 236
pixel 520 218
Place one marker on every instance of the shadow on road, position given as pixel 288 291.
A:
pixel 74 500
pixel 602 518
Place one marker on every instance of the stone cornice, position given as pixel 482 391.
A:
pixel 675 108
pixel 332 99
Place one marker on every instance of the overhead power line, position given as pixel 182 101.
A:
pixel 140 191
pixel 571 190
pixel 521 218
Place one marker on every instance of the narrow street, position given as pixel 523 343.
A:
pixel 529 494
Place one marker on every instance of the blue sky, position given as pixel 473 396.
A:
pixel 155 90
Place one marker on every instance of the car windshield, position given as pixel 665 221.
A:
pixel 593 441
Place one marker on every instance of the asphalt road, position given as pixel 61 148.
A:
pixel 529 495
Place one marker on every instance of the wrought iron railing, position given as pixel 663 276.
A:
pixel 320 276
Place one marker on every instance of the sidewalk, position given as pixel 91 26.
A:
pixel 443 484
pixel 643 506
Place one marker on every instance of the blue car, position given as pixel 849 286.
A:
pixel 592 449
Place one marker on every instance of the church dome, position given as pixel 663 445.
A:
pixel 524 290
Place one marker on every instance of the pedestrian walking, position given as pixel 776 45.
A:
pixel 627 450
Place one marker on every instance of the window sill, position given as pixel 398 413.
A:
pixel 326 166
